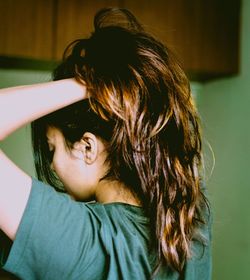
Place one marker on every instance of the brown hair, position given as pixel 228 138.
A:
pixel 137 84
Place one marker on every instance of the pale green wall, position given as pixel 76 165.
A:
pixel 225 109
pixel 18 145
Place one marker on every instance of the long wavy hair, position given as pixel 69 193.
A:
pixel 140 103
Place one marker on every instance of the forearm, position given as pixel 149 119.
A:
pixel 21 105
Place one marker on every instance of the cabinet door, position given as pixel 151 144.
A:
pixel 220 37
pixel 203 34
pixel 169 21
pixel 75 20
pixel 26 28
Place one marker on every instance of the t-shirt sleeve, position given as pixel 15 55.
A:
pixel 52 228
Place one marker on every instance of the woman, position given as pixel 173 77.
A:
pixel 116 126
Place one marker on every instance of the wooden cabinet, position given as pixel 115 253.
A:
pixel 203 34
pixel 26 28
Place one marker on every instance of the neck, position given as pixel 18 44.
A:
pixel 114 191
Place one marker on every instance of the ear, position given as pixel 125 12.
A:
pixel 88 147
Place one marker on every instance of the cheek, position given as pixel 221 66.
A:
pixel 67 169
pixel 59 170
pixel 59 165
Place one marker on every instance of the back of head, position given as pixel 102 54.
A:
pixel 136 83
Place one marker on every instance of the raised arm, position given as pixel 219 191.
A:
pixel 19 106
pixel 23 104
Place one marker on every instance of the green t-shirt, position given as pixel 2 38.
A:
pixel 59 238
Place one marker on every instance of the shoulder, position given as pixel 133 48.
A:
pixel 55 235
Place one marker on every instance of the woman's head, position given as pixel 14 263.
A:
pixel 141 108
pixel 70 144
